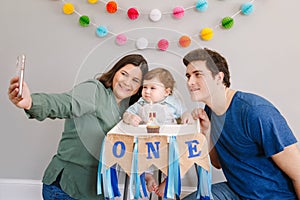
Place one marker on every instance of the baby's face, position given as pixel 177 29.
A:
pixel 154 90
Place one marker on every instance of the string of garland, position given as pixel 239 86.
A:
pixel 155 15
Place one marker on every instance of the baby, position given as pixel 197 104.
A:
pixel 157 97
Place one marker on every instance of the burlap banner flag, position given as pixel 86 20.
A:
pixel 193 148
pixel 118 149
pixel 153 151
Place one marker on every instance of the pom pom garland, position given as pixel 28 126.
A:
pixel 163 44
pixel 132 13
pixel 227 22
pixel 111 7
pixel 178 12
pixel 201 5
pixel 68 8
pixel 247 8
pixel 84 21
pixel 155 15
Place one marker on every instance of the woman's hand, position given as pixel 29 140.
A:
pixel 25 100
pixel 200 114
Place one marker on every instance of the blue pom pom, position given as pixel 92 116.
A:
pixel 101 31
pixel 201 5
pixel 247 8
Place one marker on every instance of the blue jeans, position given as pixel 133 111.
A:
pixel 220 191
pixel 52 192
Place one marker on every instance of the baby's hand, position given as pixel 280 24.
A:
pixel 151 183
pixel 135 120
pixel 187 118
pixel 131 119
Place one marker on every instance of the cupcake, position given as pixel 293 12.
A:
pixel 152 125
pixel 152 128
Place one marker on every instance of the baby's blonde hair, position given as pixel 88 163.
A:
pixel 163 75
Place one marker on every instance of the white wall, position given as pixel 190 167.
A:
pixel 262 50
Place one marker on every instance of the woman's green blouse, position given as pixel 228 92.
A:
pixel 90 110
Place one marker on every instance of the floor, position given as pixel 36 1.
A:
pixel 17 189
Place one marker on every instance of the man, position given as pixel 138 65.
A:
pixel 251 140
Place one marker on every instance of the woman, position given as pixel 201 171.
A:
pixel 90 110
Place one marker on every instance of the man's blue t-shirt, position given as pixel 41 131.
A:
pixel 245 137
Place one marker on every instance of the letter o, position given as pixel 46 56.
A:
pixel 122 149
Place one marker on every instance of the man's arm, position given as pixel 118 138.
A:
pixel 204 123
pixel 288 161
pixel 215 158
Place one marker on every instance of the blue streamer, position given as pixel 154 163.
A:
pixel 100 167
pixel 134 177
pixel 173 185
pixel 114 182
pixel 109 176
pixel 204 184
pixel 177 184
pixel 143 183
pixel 108 191
pixel 170 188
pixel 166 187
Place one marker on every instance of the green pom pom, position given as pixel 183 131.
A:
pixel 84 21
pixel 227 22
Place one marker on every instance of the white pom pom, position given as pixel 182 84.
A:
pixel 155 15
pixel 142 43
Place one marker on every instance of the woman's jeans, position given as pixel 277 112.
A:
pixel 53 192
pixel 220 191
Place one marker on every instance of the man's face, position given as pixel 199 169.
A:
pixel 200 81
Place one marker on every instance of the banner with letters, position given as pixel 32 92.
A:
pixel 173 155
pixel 154 150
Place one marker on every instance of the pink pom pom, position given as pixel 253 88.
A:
pixel 121 39
pixel 178 12
pixel 133 13
pixel 163 44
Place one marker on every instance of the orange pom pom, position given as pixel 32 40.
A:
pixel 111 7
pixel 184 41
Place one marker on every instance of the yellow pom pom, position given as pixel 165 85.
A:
pixel 206 34
pixel 68 8
pixel 92 1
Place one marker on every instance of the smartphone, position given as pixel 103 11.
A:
pixel 20 72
